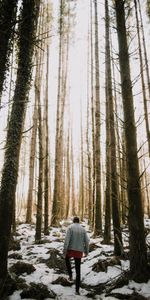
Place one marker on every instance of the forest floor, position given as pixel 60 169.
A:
pixel 39 270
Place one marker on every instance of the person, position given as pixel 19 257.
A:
pixel 76 244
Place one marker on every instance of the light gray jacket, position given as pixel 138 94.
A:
pixel 76 239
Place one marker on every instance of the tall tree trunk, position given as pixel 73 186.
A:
pixel 27 28
pixel 144 47
pixel 92 112
pixel 38 83
pixel 11 80
pixel 89 160
pixel 145 188
pixel 123 182
pixel 31 164
pixel 118 140
pixel 68 177
pixel 73 179
pixel 98 213
pixel 40 179
pixel 113 164
pixel 61 101
pixel 8 11
pixel 89 167
pixel 56 200
pixel 81 203
pixel 64 76
pixel 46 167
pixel 107 227
pixel 138 255
pixel 142 78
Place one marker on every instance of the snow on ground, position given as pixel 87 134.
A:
pixel 33 253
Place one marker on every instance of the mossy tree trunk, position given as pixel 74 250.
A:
pixel 7 24
pixel 27 29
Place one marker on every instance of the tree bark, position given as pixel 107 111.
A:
pixel 27 28
pixel 92 113
pixel 138 255
pixel 31 165
pixel 98 213
pixel 46 167
pixel 56 200
pixel 113 163
pixel 7 24
pixel 145 50
pixel 41 169
pixel 142 78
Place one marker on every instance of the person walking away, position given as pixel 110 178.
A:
pixel 76 244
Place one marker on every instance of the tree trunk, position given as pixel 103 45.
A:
pixel 142 78
pixel 56 200
pixel 113 164
pixel 138 255
pixel 46 167
pixel 38 82
pixel 107 227
pixel 7 24
pixel 98 214
pixel 68 177
pixel 118 140
pixel 81 203
pixel 31 165
pixel 92 114
pixel 145 51
pixel 123 175
pixel 40 179
pixel 72 179
pixel 27 28
pixel 89 169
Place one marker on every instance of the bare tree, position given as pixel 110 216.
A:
pixel 142 77
pixel 92 111
pixel 112 145
pixel 138 255
pixel 32 163
pixel 27 29
pixel 98 213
